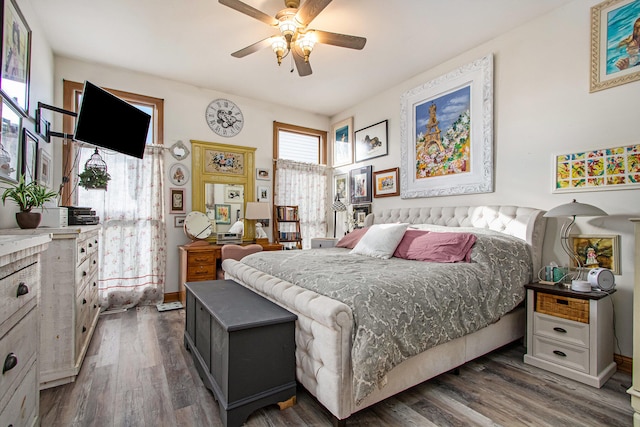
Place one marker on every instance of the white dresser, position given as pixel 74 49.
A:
pixel 69 300
pixel 20 268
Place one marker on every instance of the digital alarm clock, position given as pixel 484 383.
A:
pixel 601 278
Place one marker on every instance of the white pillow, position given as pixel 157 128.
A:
pixel 380 241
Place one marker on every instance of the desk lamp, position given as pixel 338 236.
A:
pixel 256 211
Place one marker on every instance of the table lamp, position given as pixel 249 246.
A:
pixel 256 211
pixel 337 206
pixel 572 210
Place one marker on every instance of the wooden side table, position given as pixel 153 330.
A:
pixel 243 346
pixel 570 333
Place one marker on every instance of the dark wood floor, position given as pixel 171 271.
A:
pixel 138 373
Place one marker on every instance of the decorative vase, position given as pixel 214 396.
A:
pixel 28 219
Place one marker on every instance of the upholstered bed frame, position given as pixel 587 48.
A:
pixel 324 325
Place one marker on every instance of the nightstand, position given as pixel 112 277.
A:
pixel 570 333
pixel 323 242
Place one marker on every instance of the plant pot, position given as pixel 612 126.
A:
pixel 28 219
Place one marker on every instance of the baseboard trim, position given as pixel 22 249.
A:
pixel 172 297
pixel 624 363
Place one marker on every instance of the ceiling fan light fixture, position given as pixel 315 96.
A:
pixel 287 24
pixel 306 44
pixel 279 46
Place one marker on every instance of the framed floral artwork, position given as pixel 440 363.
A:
pixel 16 56
pixel 360 185
pixel 446 128
pixel 372 141
pixel 341 134
pixel 222 213
pixel 177 200
pixel 615 43
pixel 385 183
pixel 596 251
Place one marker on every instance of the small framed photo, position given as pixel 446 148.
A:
pixel 16 56
pixel 233 193
pixel 178 221
pixel 29 156
pixel 264 193
pixel 360 185
pixel 341 134
pixel 596 251
pixel 177 200
pixel 385 183
pixel 372 141
pixel 10 147
pixel 263 174
pixel 222 214
pixel 341 187
pixel 44 168
pixel 360 212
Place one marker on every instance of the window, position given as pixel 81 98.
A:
pixel 300 144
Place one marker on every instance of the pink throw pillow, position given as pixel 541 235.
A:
pixel 423 245
pixel 351 239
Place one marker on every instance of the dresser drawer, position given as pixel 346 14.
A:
pixel 20 344
pixel 560 329
pixel 201 272
pixel 554 351
pixel 18 288
pixel 201 258
pixel 22 408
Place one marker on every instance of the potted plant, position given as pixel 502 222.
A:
pixel 27 197
pixel 94 178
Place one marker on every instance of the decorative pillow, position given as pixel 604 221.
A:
pixel 351 240
pixel 436 247
pixel 380 241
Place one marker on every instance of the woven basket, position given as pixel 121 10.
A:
pixel 565 307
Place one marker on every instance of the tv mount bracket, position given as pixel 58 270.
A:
pixel 41 123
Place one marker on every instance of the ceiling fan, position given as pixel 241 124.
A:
pixel 293 36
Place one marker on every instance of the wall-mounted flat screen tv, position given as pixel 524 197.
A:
pixel 110 122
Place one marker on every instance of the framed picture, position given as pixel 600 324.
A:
pixel 44 168
pixel 29 156
pixel 216 161
pixel 597 251
pixel 233 193
pixel 360 212
pixel 178 174
pixel 341 133
pixel 360 185
pixel 16 56
pixel 615 43
pixel 341 187
pixel 446 128
pixel 177 200
pixel 178 221
pixel 263 174
pixel 614 168
pixel 10 146
pixel 372 141
pixel 264 195
pixel 385 183
pixel 222 214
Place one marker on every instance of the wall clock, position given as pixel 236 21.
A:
pixel 224 117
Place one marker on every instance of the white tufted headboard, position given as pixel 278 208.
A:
pixel 527 224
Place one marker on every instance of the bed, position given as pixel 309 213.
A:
pixel 346 320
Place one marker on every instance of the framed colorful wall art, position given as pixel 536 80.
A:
pixel 341 134
pixel 360 180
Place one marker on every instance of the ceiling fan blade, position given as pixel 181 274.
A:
pixel 252 48
pixel 304 68
pixel 249 11
pixel 342 40
pixel 309 10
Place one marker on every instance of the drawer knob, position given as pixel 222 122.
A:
pixel 561 330
pixel 84 301
pixel 9 363
pixel 94 262
pixel 559 353
pixel 84 273
pixel 82 250
pixel 94 283
pixel 90 245
pixel 22 289
pixel 84 329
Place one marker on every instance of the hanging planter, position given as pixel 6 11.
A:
pixel 94 176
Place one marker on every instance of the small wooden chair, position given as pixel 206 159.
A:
pixel 236 252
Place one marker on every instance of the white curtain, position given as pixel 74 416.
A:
pixel 133 245
pixel 303 185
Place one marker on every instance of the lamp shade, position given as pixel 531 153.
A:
pixel 338 206
pixel 257 210
pixel 574 209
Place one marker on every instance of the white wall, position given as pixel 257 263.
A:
pixel 542 107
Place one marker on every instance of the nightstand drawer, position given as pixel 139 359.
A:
pixel 561 306
pixel 554 351
pixel 556 328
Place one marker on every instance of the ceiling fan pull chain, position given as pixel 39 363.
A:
pixel 291 61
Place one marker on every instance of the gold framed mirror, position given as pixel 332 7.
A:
pixel 222 184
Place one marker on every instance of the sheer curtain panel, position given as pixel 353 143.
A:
pixel 133 244
pixel 303 185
